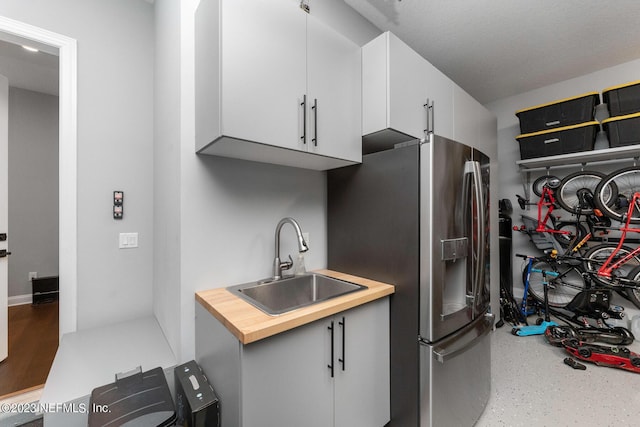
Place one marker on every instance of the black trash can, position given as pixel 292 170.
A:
pixel 136 398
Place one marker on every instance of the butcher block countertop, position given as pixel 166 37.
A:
pixel 249 324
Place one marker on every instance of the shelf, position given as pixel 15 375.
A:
pixel 595 156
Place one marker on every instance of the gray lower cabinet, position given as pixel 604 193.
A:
pixel 332 372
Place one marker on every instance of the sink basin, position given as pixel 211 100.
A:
pixel 283 295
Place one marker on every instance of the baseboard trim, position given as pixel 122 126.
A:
pixel 20 299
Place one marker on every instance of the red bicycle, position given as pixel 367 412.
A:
pixel 547 231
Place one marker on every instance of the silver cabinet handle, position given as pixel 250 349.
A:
pixel 430 116
pixel 315 121
pixel 426 108
pixel 304 119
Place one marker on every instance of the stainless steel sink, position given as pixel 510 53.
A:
pixel 283 295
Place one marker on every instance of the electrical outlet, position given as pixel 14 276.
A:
pixel 33 275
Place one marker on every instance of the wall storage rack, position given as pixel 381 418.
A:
pixel 603 156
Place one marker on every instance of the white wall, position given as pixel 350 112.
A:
pixel 508 148
pixel 33 187
pixel 217 229
pixel 115 147
pixel 167 197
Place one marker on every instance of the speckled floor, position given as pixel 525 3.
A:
pixel 531 386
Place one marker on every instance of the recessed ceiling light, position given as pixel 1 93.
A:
pixel 30 49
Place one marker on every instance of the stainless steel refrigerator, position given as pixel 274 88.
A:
pixel 417 216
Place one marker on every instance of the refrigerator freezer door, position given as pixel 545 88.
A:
pixel 446 237
pixel 455 376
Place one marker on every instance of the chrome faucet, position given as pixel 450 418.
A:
pixel 278 265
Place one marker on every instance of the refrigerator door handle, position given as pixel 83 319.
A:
pixel 442 355
pixel 478 258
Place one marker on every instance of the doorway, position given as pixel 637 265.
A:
pixel 32 170
pixel 12 31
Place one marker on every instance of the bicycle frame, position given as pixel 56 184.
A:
pixel 609 265
pixel 547 200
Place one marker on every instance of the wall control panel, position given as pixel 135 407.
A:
pixel 118 204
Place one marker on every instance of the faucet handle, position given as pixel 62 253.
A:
pixel 286 265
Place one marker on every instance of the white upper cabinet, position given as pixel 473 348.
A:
pixel 334 88
pixel 263 69
pixel 474 125
pixel 393 96
pixel 466 118
pixel 256 61
pixel 397 84
pixel 440 94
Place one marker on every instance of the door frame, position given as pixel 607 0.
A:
pixel 67 167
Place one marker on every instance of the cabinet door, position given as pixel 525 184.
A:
pixel 487 132
pixel 334 93
pixel 474 125
pixel 286 381
pixel 439 90
pixel 362 381
pixel 263 70
pixel 466 117
pixel 397 82
pixel 406 89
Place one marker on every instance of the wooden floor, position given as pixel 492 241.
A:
pixel 33 341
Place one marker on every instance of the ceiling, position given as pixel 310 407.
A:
pixel 497 48
pixel 36 71
pixel 491 48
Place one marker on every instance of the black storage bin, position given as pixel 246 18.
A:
pixel 139 398
pixel 196 402
pixel 560 113
pixel 568 139
pixel 622 99
pixel 622 130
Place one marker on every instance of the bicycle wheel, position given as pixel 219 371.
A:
pixel 564 281
pixel 597 255
pixel 624 182
pixel 576 192
pixel 634 294
pixel 540 182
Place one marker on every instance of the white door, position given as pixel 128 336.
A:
pixel 4 195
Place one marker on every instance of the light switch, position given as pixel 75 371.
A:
pixel 128 240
